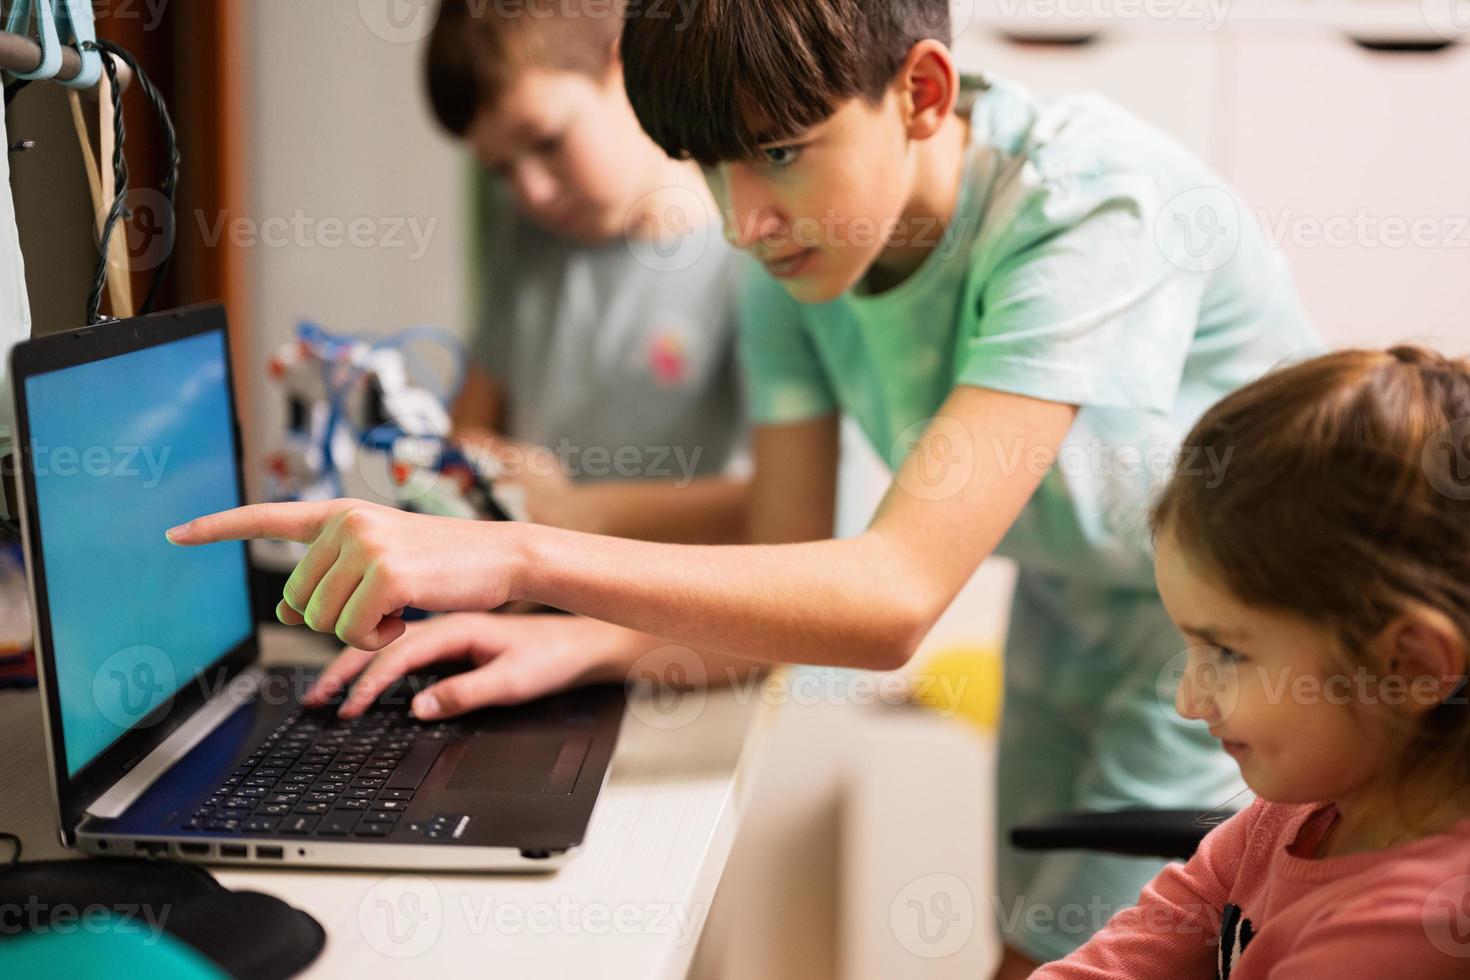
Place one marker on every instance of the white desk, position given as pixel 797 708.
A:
pixel 631 903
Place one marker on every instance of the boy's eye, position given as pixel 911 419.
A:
pixel 1230 655
pixel 549 144
pixel 781 156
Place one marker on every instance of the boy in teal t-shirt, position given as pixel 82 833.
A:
pixel 1023 303
pixel 1072 271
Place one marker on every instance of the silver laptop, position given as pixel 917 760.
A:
pixel 166 736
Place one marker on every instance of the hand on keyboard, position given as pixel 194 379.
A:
pixel 517 658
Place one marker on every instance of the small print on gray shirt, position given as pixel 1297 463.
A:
pixel 618 357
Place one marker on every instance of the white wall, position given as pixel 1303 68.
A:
pixel 15 314
pixel 340 132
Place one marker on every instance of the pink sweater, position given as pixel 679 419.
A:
pixel 1250 906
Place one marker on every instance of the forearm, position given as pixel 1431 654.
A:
pixel 860 602
pixel 622 655
pixel 705 511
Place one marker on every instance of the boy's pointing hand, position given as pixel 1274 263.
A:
pixel 366 563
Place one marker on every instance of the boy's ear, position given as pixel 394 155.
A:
pixel 1423 647
pixel 928 86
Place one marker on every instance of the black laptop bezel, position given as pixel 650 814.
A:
pixel 44 355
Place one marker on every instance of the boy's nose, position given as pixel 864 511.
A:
pixel 751 216
pixel 533 186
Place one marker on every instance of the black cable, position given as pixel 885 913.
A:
pixel 169 186
pixel 120 188
pixel 14 89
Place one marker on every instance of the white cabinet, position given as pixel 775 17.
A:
pixel 1354 161
pixel 1357 164
pixel 1166 78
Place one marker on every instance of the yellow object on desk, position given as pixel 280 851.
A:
pixel 962 682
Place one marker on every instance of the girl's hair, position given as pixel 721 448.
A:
pixel 1345 499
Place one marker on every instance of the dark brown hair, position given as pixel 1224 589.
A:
pixel 725 76
pixel 1345 500
pixel 478 48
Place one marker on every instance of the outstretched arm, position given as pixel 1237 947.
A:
pixel 864 602
pixel 521 657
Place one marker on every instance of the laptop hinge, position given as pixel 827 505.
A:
pixel 123 793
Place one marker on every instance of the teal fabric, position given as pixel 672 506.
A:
pixel 19 23
pixel 100 948
pixel 1091 261
pixel 74 21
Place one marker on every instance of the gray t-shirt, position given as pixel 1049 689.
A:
pixel 619 357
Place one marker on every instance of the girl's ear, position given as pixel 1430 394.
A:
pixel 928 86
pixel 1423 647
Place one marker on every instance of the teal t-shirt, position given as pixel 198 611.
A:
pixel 1092 261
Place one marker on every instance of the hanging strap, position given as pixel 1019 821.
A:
pixel 19 22
pixel 75 24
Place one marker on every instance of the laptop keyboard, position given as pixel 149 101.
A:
pixel 318 775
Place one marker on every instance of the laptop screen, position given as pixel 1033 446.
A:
pixel 121 450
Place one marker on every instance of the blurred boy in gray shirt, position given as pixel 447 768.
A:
pixel 604 376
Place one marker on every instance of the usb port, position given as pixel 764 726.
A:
pixel 190 848
pixel 153 848
pixel 232 850
pixel 267 851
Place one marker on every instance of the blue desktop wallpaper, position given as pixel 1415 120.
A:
pixel 122 450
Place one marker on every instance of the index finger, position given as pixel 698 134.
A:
pixel 296 521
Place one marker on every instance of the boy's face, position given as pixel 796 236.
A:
pixel 569 149
pixel 1260 679
pixel 819 210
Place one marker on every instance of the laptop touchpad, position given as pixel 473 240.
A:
pixel 506 763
